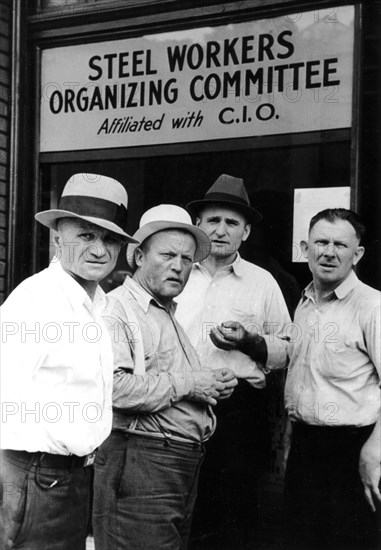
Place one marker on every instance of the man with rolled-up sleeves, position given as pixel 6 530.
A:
pixel 146 473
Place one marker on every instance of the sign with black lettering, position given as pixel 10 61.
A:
pixel 275 76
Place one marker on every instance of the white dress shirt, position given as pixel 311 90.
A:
pixel 240 292
pixel 56 366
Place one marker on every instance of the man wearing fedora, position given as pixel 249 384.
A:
pixel 146 473
pixel 227 303
pixel 56 371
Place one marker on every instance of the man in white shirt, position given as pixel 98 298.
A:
pixel 56 371
pixel 225 301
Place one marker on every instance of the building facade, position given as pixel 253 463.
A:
pixel 151 92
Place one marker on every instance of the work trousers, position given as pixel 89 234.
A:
pixel 44 507
pixel 227 510
pixel 325 507
pixel 144 492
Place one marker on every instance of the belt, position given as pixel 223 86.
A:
pixel 155 436
pixel 317 429
pixel 49 460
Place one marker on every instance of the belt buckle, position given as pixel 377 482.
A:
pixel 90 459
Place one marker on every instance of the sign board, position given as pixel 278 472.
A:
pixel 273 76
pixel 307 203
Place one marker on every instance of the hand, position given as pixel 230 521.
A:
pixel 370 472
pixel 228 377
pixel 229 335
pixel 232 335
pixel 208 385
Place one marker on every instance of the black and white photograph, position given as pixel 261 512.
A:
pixel 190 275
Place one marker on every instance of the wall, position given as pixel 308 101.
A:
pixel 5 99
pixel 370 158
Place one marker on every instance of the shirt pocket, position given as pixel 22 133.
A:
pixel 167 358
pixel 243 312
pixel 340 360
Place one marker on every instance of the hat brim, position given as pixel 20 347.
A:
pixel 251 214
pixel 203 245
pixel 49 219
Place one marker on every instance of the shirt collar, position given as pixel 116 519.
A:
pixel 341 291
pixel 236 266
pixel 347 285
pixel 76 294
pixel 142 297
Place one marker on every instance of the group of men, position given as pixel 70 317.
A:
pixel 135 385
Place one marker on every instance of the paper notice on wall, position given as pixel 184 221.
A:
pixel 307 203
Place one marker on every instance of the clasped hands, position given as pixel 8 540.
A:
pixel 211 385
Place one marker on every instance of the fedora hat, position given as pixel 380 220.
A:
pixel 163 217
pixel 97 199
pixel 231 192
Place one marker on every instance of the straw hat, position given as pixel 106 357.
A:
pixel 97 199
pixel 163 217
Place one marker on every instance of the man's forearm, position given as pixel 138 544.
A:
pixel 370 467
pixel 373 442
pixel 149 393
pixel 256 349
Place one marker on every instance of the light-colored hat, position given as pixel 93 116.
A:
pixel 231 192
pixel 97 199
pixel 168 216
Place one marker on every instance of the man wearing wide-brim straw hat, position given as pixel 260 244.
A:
pixel 56 371
pixel 146 472
pixel 225 309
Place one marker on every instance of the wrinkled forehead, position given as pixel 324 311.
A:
pixel 172 238
pixel 339 229
pixel 221 211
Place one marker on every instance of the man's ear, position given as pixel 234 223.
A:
pixel 358 255
pixel 304 248
pixel 198 221
pixel 138 255
pixel 56 237
pixel 246 232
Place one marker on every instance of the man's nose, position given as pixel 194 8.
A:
pixel 329 250
pixel 98 248
pixel 221 228
pixel 177 264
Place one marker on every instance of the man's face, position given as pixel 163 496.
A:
pixel 86 251
pixel 332 250
pixel 225 228
pixel 165 263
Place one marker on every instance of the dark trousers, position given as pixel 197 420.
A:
pixel 43 507
pixel 144 492
pixel 325 507
pixel 227 510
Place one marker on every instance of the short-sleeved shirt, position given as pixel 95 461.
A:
pixel 334 371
